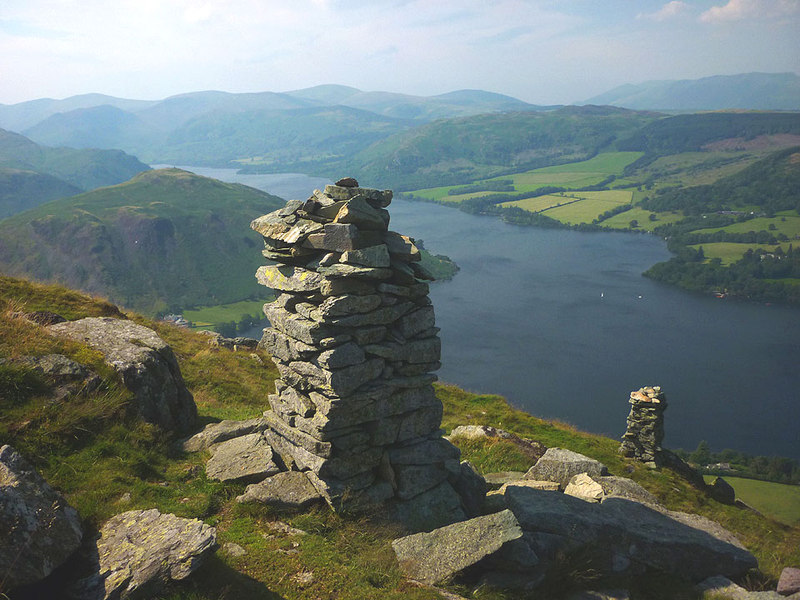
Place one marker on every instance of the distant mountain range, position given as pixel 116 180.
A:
pixel 330 124
pixel 754 91
pixel 165 234
pixel 214 128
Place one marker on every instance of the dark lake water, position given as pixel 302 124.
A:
pixel 563 325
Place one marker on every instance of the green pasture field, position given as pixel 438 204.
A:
pixel 569 175
pixel 537 204
pixel 207 317
pixel 731 252
pixel 623 220
pixel 788 225
pixel 777 500
pixel 584 211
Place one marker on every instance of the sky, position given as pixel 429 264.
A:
pixel 541 51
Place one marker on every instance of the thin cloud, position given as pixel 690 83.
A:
pixel 670 10
pixel 739 10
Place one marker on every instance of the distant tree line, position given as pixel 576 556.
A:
pixel 767 468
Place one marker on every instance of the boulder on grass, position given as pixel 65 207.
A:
pixel 247 459
pixel 561 465
pixel 140 551
pixel 435 556
pixel 290 489
pixel 146 365
pixel 679 544
pixel 38 529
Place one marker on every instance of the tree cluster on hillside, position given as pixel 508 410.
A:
pixel 689 133
pixel 757 276
pixel 771 183
pixel 732 462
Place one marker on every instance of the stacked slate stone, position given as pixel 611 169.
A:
pixel 645 431
pixel 352 334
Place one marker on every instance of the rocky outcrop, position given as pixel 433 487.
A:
pixel 352 334
pixel 145 364
pixel 38 529
pixel 645 432
pixel 140 551
pixel 627 536
pixel 65 376
pixel 435 556
pixel 215 433
pixel 561 465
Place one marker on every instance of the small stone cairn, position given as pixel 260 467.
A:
pixel 645 431
pixel 352 334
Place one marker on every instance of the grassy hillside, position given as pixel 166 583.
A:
pixel 21 189
pixel 459 151
pixel 84 169
pixel 106 462
pixel 165 234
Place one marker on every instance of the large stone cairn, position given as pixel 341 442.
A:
pixel 352 334
pixel 645 431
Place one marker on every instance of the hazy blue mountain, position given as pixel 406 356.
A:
pixel 758 91
pixel 18 117
pixel 326 94
pixel 102 126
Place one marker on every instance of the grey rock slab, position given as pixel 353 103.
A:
pixel 335 237
pixel 381 316
pixel 341 382
pixel 789 582
pixel 561 465
pixel 139 551
pixel 288 278
pixel 676 543
pixel 271 225
pixel 214 433
pixel 297 327
pixel 435 508
pixel 584 487
pixel 290 489
pixel 247 458
pixel 349 304
pixel 359 212
pixel 471 488
pixel 435 556
pixel 722 491
pixel 500 477
pixel 346 355
pixel 622 487
pixel 286 347
pixel 401 246
pixel 145 364
pixel 38 528
pixel 373 256
pixel 343 270
pixel 416 322
pixel 724 587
